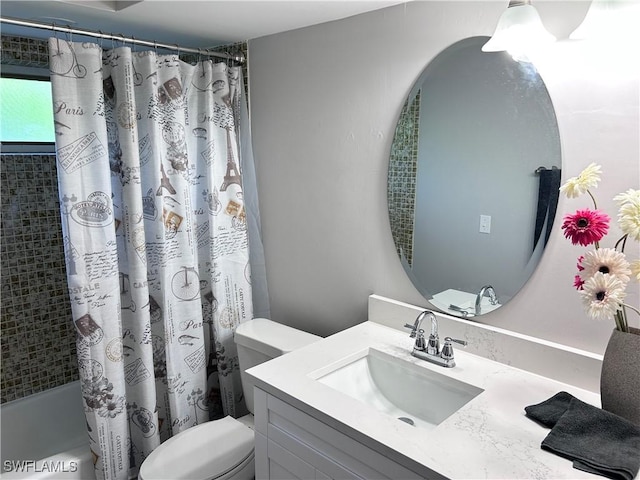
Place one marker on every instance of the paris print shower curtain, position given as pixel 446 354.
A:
pixel 156 247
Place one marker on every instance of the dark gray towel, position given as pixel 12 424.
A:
pixel 596 440
pixel 548 194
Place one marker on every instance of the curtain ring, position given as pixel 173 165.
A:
pixel 69 34
pixel 155 47
pixel 101 39
pixel 55 34
pixel 201 62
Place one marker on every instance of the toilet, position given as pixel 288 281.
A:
pixel 223 449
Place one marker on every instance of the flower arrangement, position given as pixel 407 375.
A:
pixel 603 273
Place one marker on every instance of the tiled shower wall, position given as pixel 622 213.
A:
pixel 38 338
pixel 401 186
pixel 36 333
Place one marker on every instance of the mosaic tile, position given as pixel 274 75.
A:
pixel 34 307
pixel 401 187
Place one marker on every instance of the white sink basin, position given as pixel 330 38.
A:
pixel 415 395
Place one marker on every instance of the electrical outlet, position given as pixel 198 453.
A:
pixel 485 223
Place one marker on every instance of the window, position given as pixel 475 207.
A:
pixel 26 113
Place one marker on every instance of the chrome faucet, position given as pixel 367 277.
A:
pixel 430 350
pixel 493 298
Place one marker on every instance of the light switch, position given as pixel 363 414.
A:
pixel 485 223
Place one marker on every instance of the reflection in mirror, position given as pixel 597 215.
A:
pixel 473 178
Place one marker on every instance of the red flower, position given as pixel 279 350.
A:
pixel 579 264
pixel 586 226
pixel 578 282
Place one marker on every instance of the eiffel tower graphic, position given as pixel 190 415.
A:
pixel 232 175
pixel 165 183
pixel 71 255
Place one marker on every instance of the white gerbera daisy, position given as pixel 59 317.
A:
pixel 588 178
pixel 602 296
pixel 629 218
pixel 606 260
pixel 630 196
pixel 635 269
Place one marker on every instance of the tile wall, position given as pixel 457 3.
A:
pixel 401 187
pixel 37 336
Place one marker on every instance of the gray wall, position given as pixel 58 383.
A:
pixel 324 101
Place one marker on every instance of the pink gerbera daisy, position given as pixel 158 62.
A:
pixel 586 226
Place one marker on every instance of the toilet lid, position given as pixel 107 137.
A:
pixel 202 452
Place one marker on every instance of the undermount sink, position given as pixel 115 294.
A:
pixel 410 393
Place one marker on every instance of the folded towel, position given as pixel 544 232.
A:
pixel 549 412
pixel 596 440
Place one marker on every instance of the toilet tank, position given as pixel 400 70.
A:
pixel 259 340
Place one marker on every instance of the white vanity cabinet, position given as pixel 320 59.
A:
pixel 291 444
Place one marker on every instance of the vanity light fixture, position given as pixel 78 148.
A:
pixel 519 32
pixel 609 20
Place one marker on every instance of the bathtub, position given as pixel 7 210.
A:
pixel 44 436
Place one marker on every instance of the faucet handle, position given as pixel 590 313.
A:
pixel 412 328
pixel 447 349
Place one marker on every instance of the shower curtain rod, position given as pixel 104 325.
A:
pixel 110 36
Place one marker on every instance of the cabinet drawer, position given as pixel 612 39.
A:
pixel 284 465
pixel 326 449
pixel 318 460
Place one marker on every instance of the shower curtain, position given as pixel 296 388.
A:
pixel 156 244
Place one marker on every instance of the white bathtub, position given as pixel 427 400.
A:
pixel 44 436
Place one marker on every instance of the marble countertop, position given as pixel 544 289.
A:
pixel 489 437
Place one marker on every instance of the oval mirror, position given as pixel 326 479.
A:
pixel 473 178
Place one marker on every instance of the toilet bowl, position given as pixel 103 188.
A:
pixel 223 449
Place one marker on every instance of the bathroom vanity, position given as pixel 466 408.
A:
pixel 358 404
